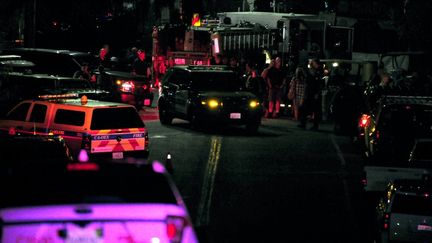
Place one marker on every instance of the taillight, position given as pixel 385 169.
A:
pixel 145 86
pixel 82 167
pixel 174 228
pixel 86 142
pixel 127 86
pixel 364 121
pixel 12 131
pixel 386 221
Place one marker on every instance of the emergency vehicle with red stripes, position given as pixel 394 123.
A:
pixel 90 128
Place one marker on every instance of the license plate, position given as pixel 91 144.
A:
pixel 117 155
pixel 424 227
pixel 147 102
pixel 83 236
pixel 235 115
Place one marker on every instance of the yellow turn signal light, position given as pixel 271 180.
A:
pixel 253 104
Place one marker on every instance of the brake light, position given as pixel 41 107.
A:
pixel 12 131
pixel 174 228
pixel 127 86
pixel 364 121
pixel 145 86
pixel 386 221
pixel 82 167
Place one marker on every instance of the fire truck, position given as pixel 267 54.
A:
pixel 203 45
pixel 251 35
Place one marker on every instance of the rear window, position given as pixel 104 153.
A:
pixel 69 117
pixel 410 118
pixel 115 118
pixel 120 186
pixel 412 204
pixel 423 151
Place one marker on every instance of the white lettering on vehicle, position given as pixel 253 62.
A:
pixel 138 135
pixel 102 137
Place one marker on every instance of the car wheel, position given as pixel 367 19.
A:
pixel 164 117
pixel 195 121
pixel 252 128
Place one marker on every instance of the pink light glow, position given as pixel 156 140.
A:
pixel 158 167
pixel 83 156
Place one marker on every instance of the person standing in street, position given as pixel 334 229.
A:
pixel 313 93
pixel 140 65
pixel 298 93
pixel 276 79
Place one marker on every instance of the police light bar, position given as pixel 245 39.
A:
pixel 58 96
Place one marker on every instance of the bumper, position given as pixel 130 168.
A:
pixel 133 99
pixel 235 117
pixel 137 154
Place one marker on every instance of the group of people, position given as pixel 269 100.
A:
pixel 136 60
pixel 304 88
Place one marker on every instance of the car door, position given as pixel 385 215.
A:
pixel 15 120
pixel 182 93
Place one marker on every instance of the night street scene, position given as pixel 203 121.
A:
pixel 215 121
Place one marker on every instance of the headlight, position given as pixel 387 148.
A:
pixel 213 103
pixel 253 104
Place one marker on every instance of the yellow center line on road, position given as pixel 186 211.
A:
pixel 203 215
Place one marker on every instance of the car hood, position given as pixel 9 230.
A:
pixel 230 94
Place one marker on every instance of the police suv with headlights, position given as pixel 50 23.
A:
pixel 207 94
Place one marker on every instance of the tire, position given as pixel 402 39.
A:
pixel 195 121
pixel 252 128
pixel 164 117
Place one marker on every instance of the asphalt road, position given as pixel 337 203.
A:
pixel 284 184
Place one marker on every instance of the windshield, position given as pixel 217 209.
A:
pixel 404 204
pixel 215 81
pixel 414 119
pixel 58 187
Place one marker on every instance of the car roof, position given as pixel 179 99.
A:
pixel 405 100
pixel 413 186
pixel 90 103
pixel 53 51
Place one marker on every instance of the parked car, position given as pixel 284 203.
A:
pixel 391 128
pixel 129 88
pixel 207 95
pixel 132 201
pixel 389 133
pixel 99 128
pixel 17 150
pixel 404 212
pixel 15 64
pixel 55 62
pixel 15 87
